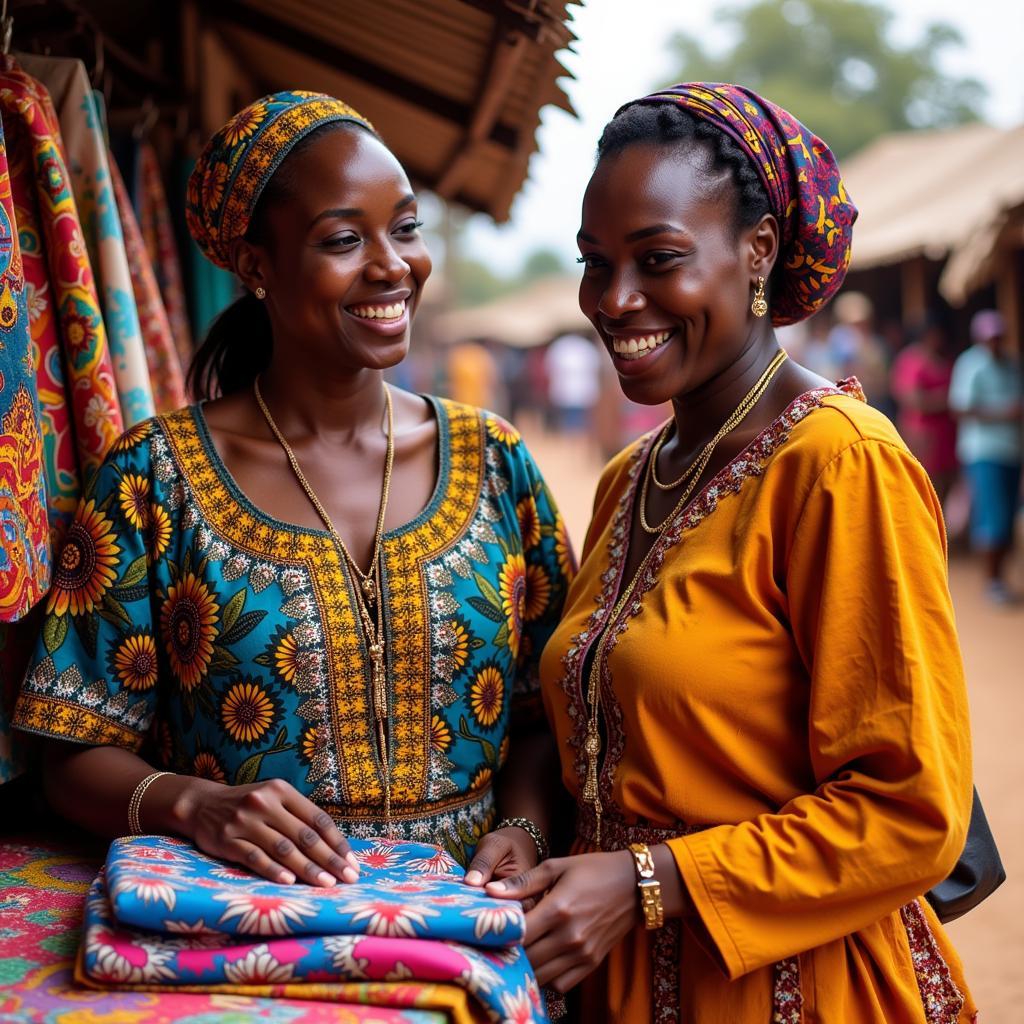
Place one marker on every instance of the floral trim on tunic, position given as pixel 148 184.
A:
pixel 942 1000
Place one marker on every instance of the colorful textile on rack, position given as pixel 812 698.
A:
pixel 81 415
pixel 43 883
pixel 802 181
pixel 165 914
pixel 158 234
pixel 24 531
pixel 241 158
pixel 83 131
pixel 165 371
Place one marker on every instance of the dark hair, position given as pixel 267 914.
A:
pixel 669 124
pixel 239 343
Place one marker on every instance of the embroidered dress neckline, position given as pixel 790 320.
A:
pixel 749 461
pixel 226 477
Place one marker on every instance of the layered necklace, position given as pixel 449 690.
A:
pixel 368 592
pixel 690 477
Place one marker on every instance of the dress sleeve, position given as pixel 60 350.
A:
pixel 550 566
pixel 94 673
pixel 887 728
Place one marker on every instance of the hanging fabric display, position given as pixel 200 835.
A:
pixel 74 372
pixel 24 536
pixel 82 129
pixel 157 229
pixel 68 361
pixel 165 369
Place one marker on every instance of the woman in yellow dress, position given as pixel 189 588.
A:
pixel 756 684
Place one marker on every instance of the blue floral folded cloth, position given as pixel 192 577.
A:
pixel 162 913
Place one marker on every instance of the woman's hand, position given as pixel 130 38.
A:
pixel 269 828
pixel 501 854
pixel 589 904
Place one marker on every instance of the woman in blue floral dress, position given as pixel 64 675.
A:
pixel 224 609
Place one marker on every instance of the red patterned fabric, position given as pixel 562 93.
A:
pixel 64 308
pixel 24 538
pixel 805 190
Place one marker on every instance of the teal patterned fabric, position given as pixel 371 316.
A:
pixel 183 615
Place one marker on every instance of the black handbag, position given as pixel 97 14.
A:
pixel 978 872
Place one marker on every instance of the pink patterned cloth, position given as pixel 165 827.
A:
pixel 165 370
pixel 158 235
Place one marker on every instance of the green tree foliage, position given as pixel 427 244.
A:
pixel 476 283
pixel 832 64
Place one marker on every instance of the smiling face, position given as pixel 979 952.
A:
pixel 669 277
pixel 339 253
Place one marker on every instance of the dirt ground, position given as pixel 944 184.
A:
pixel 991 938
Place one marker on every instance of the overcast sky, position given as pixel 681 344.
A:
pixel 621 53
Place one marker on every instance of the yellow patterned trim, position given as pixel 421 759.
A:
pixel 405 552
pixel 264 154
pixel 50 716
pixel 405 555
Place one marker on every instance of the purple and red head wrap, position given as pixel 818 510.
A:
pixel 804 187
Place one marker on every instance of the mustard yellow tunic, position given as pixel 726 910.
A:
pixel 785 706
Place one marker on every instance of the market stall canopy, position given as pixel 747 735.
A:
pixel 937 194
pixel 531 316
pixel 454 86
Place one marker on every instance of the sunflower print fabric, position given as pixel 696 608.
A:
pixel 184 621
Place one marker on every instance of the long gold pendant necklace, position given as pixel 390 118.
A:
pixel 592 743
pixel 369 592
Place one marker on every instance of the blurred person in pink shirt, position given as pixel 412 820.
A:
pixel 920 386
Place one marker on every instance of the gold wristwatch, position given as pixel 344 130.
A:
pixel 649 886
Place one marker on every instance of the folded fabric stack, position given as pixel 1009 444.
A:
pixel 163 915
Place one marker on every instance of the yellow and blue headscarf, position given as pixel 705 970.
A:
pixel 804 187
pixel 241 158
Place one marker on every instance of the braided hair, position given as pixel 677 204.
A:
pixel 671 125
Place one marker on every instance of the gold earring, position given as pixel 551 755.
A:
pixel 261 292
pixel 759 306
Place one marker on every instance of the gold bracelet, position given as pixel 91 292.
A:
pixel 649 886
pixel 135 803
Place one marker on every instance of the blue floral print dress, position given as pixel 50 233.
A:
pixel 187 624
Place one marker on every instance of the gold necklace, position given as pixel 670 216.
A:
pixel 592 743
pixel 697 467
pixel 369 591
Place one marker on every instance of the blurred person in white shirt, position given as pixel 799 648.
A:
pixel 574 381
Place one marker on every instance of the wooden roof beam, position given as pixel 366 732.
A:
pixel 330 53
pixel 507 52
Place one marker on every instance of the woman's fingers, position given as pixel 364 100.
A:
pixel 282 848
pixel 568 981
pixel 527 883
pixel 320 839
pixel 252 858
pixel 489 854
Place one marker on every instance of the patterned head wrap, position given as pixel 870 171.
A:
pixel 241 158
pixel 801 178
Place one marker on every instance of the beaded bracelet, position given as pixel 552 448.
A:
pixel 135 803
pixel 531 829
